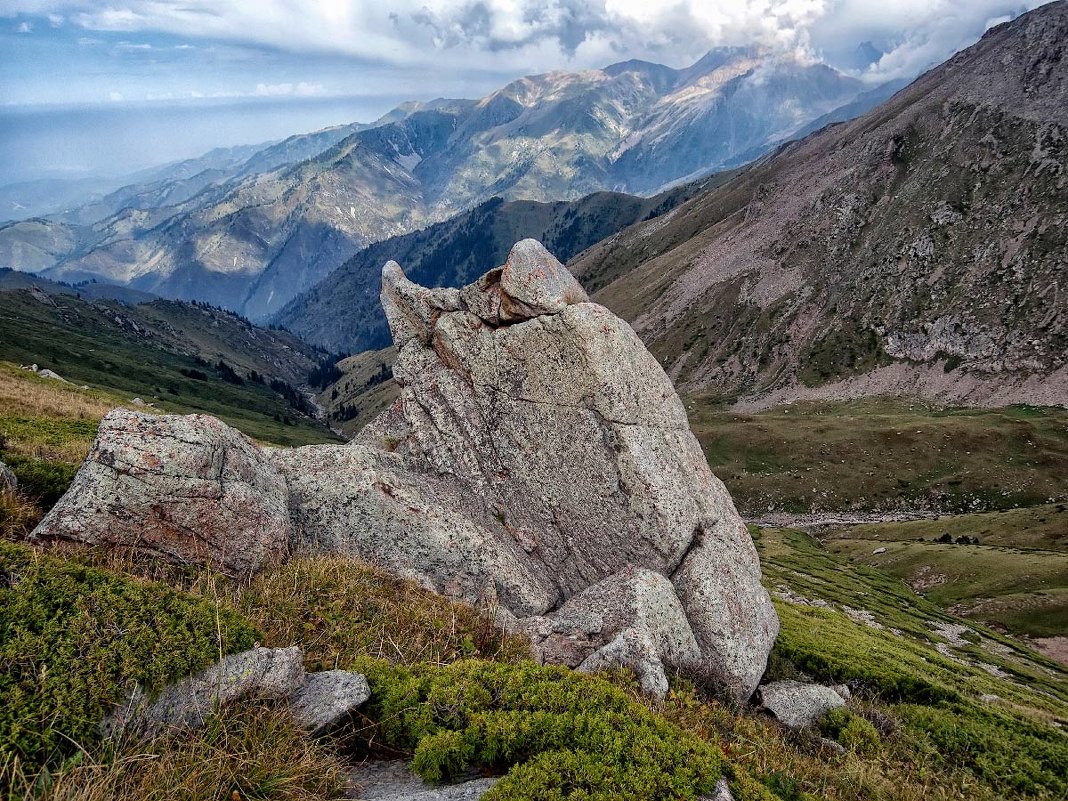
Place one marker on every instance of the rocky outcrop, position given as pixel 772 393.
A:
pixel 537 463
pixel 632 618
pixel 185 488
pixel 318 702
pixel 267 673
pixel 797 705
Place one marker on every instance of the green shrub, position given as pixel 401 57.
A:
pixel 41 480
pixel 850 731
pixel 75 639
pixel 560 734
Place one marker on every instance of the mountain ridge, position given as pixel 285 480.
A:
pixel 253 241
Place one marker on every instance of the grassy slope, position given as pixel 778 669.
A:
pixel 84 344
pixel 885 454
pixel 1015 578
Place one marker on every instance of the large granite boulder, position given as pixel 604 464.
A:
pixel 185 488
pixel 537 463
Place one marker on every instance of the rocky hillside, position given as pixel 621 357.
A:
pixel 342 312
pixel 255 240
pixel 920 248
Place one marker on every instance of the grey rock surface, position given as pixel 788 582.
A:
pixel 326 699
pixel 8 481
pixel 632 618
pixel 721 792
pixel 797 705
pixel 268 673
pixel 393 780
pixel 185 488
pixel 536 450
pixel 533 283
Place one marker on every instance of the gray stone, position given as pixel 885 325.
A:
pixel 412 310
pixel 326 700
pixel 632 618
pixel 832 745
pixel 8 481
pixel 184 488
pixel 393 780
pixel 878 551
pixel 721 792
pixel 533 283
pixel 268 673
pixel 797 705
pixel 46 373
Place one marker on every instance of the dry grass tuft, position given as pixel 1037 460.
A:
pixel 247 751
pixel 18 515
pixel 337 608
pixel 23 393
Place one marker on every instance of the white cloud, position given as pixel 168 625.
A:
pixel 522 36
pixel 115 97
pixel 301 89
pixel 24 27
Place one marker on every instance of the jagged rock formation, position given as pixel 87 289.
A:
pixel 537 463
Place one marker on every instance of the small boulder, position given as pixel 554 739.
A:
pixel 46 373
pixel 721 792
pixel 326 700
pixel 183 488
pixel 8 481
pixel 878 551
pixel 137 402
pixel 269 673
pixel 393 780
pixel 798 705
pixel 534 283
pixel 632 618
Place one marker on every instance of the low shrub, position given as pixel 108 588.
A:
pixel 74 639
pixel 557 733
pixel 43 481
pixel 850 731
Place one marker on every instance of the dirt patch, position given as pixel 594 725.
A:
pixel 1056 648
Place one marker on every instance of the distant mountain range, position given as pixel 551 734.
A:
pixel 921 249
pixel 250 232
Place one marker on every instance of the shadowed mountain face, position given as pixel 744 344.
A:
pixel 252 235
pixel 920 248
pixel 342 313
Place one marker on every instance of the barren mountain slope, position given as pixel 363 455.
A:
pixel 920 248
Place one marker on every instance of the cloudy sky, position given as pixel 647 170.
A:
pixel 98 85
